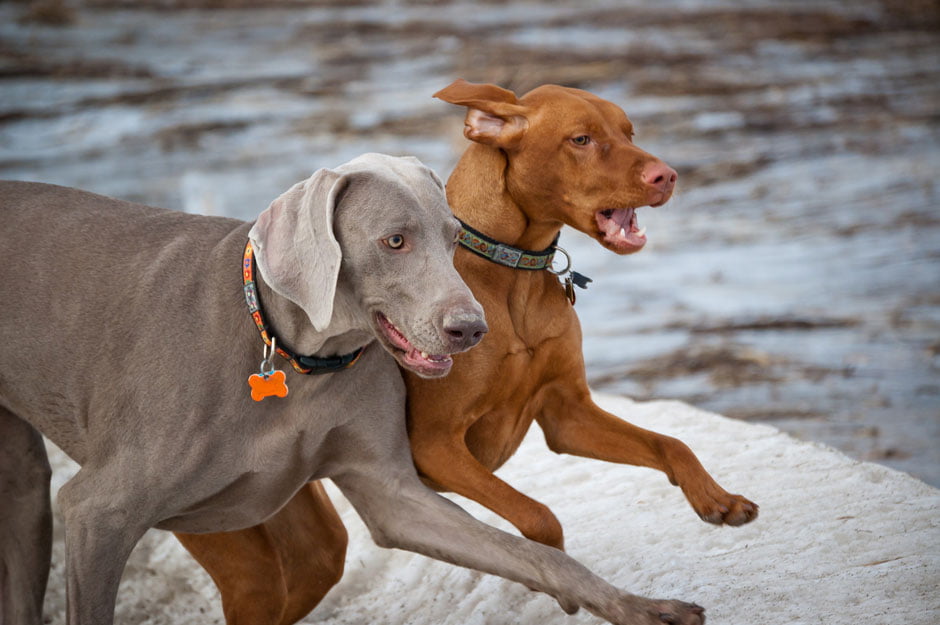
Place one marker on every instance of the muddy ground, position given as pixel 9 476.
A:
pixel 793 280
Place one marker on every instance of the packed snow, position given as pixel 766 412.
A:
pixel 838 541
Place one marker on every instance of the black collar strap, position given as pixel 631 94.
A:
pixel 503 254
pixel 309 365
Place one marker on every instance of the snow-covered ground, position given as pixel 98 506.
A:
pixel 838 542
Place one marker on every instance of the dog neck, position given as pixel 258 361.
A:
pixel 491 208
pixel 290 324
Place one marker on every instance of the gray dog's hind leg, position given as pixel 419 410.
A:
pixel 25 521
pixel 105 515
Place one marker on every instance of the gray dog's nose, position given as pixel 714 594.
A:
pixel 464 328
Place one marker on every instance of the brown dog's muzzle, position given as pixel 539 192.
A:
pixel 659 180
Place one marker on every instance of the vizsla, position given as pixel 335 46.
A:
pixel 556 156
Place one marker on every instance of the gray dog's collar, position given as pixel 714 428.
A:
pixel 308 365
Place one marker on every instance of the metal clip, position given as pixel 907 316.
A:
pixel 569 290
pixel 267 362
pixel 571 278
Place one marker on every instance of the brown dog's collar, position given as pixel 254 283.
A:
pixel 516 258
pixel 308 365
pixel 503 254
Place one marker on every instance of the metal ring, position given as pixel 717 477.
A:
pixel 267 360
pixel 267 367
pixel 551 270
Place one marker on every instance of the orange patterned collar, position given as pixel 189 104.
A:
pixel 308 365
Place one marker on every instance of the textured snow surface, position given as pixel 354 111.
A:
pixel 838 542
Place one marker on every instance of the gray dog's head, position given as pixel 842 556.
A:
pixel 376 231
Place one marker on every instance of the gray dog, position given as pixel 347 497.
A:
pixel 129 335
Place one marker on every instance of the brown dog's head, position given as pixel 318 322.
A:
pixel 571 158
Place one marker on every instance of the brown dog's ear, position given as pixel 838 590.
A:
pixel 494 115
pixel 295 248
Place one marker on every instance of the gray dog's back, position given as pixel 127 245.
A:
pixel 89 263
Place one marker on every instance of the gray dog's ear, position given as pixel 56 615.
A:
pixel 295 248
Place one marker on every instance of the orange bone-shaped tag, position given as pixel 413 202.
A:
pixel 273 385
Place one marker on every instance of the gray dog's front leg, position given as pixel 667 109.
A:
pixel 401 512
pixel 102 525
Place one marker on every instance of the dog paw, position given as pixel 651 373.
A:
pixel 729 509
pixel 714 505
pixel 634 610
pixel 677 613
pixel 541 525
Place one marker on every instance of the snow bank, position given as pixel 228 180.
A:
pixel 837 542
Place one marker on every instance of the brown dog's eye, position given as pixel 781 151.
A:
pixel 581 140
pixel 395 241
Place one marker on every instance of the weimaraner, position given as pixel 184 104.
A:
pixel 129 335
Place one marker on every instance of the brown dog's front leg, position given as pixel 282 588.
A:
pixel 576 425
pixel 450 466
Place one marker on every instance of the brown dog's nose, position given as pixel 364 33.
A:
pixel 661 178
pixel 464 328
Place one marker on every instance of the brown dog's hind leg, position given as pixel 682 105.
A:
pixel 278 571
pixel 577 426
pixel 25 521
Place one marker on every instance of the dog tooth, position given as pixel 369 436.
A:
pixel 424 355
pixel 623 232
pixel 641 231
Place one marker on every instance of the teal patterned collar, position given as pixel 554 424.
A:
pixel 503 254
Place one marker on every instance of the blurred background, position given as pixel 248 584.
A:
pixel 793 280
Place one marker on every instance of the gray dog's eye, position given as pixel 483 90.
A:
pixel 395 241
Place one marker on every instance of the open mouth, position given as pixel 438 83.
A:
pixel 409 356
pixel 618 230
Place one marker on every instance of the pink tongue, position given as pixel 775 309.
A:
pixel 620 218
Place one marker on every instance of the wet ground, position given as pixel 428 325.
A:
pixel 793 280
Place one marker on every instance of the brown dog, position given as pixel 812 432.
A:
pixel 555 156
